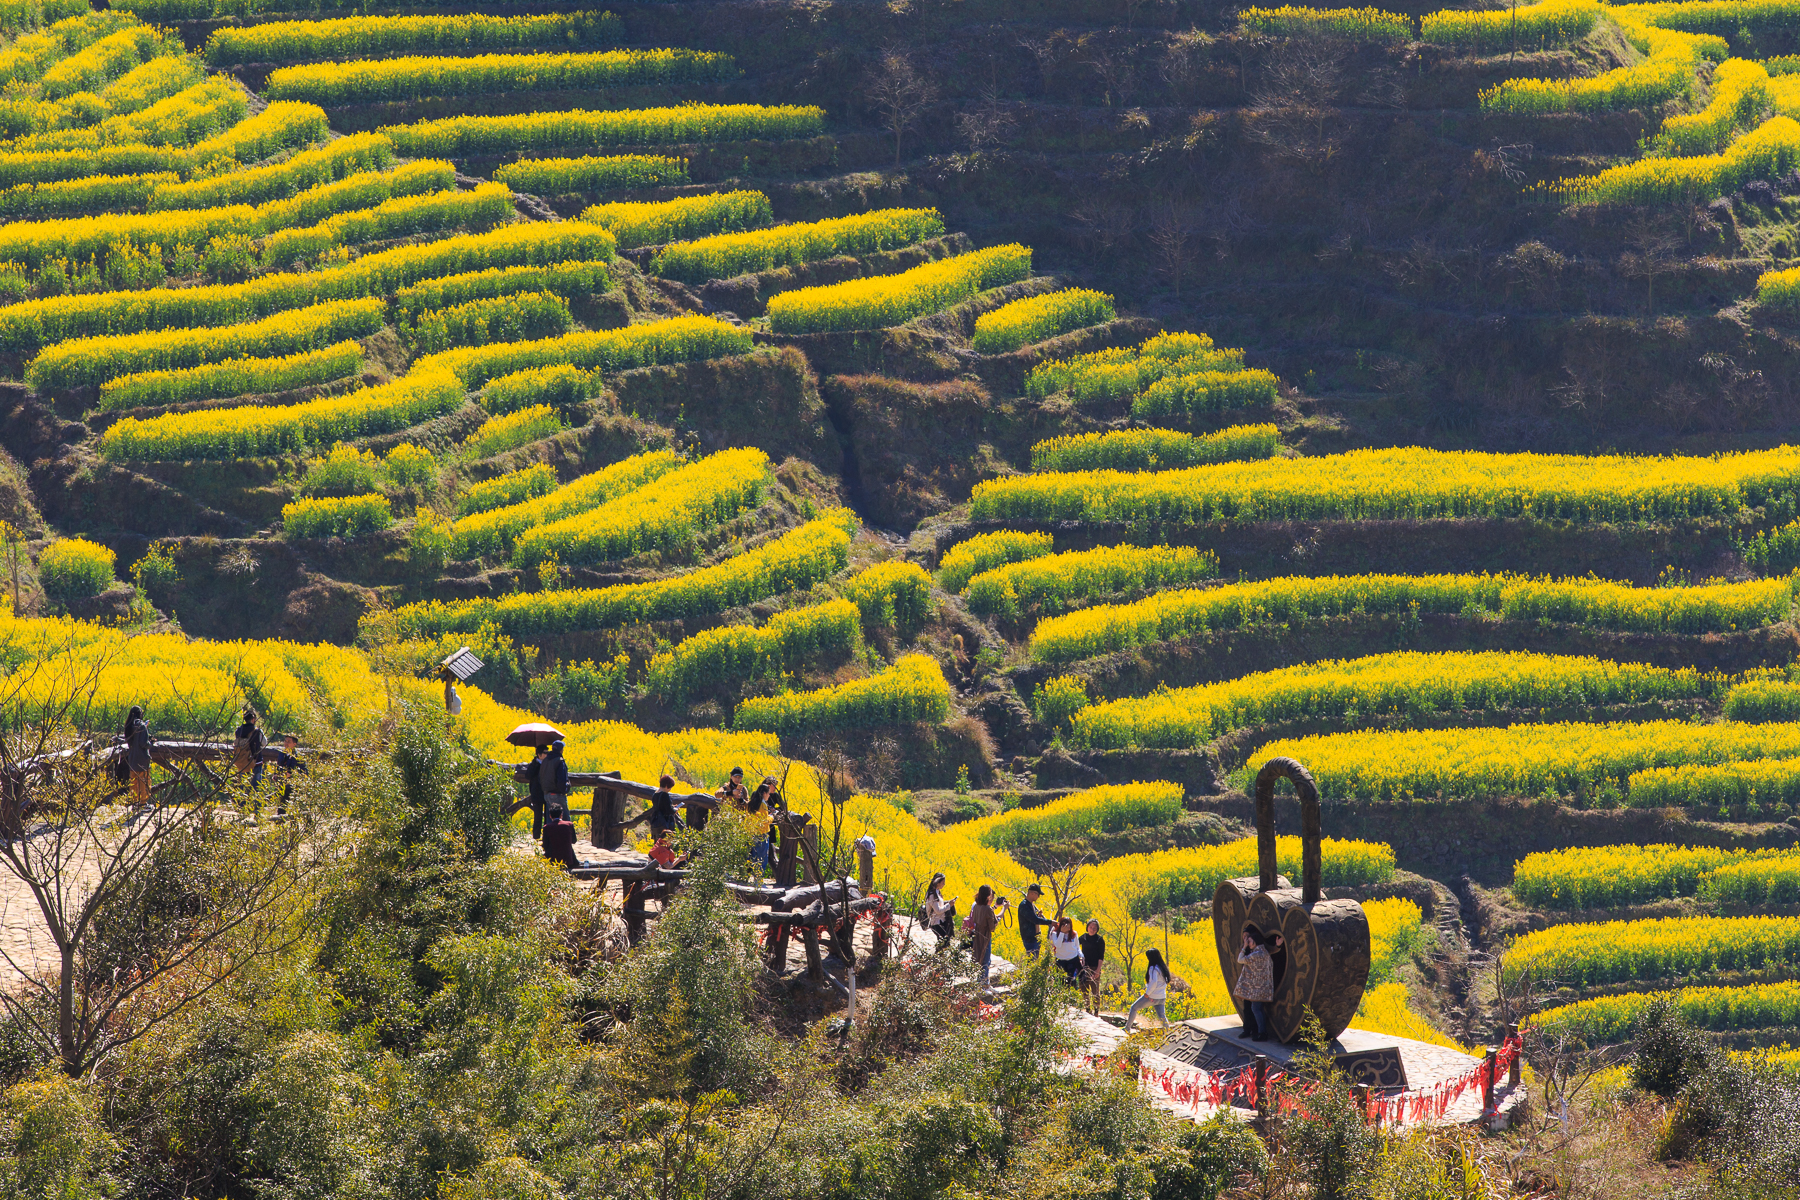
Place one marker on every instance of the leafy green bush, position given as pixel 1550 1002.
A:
pixel 408 465
pixel 1056 701
pixel 75 568
pixel 347 516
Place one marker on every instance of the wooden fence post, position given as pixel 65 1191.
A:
pixel 811 834
pixel 606 823
pixel 1487 1080
pixel 865 869
pixel 1262 1086
pixel 1512 1071
pixel 815 963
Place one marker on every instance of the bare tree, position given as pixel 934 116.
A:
pixel 987 126
pixel 1104 223
pixel 1652 252
pixel 1049 54
pixel 147 909
pixel 901 93
pixel 1117 71
pixel 1293 108
pixel 1174 232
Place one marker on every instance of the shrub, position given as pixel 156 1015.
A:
pixel 893 595
pixel 156 573
pixel 75 568
pixel 408 465
pixel 894 299
pixel 985 551
pixel 1056 701
pixel 502 319
pixel 497 435
pixel 1037 318
pixel 650 223
pixel 346 471
pixel 560 176
pixel 347 516
pixel 511 488
pixel 1774 551
pixel 913 689
pixel 561 386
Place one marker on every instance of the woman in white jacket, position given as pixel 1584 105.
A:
pixel 1067 948
pixel 1156 988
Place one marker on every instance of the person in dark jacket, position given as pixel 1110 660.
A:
pixel 662 808
pixel 534 789
pixel 248 747
pixel 137 754
pixel 553 776
pixel 559 840
pixel 1030 922
pixel 1093 953
pixel 287 761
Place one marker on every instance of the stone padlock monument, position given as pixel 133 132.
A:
pixel 1327 941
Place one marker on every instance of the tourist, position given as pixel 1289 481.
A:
pixel 732 790
pixel 1093 953
pixel 940 914
pixel 981 924
pixel 1065 945
pixel 662 808
pixel 247 747
pixel 761 823
pixel 559 840
pixel 662 854
pixel 1029 920
pixel 287 761
pixel 1255 984
pixel 1156 989
pixel 534 789
pixel 137 754
pixel 553 775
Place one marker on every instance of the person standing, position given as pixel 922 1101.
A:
pixel 1067 948
pixel 939 912
pixel 247 747
pixel 553 774
pixel 1255 984
pixel 1030 922
pixel 1093 953
pixel 534 789
pixel 137 754
pixel 662 814
pixel 287 761
pixel 982 922
pixel 1156 988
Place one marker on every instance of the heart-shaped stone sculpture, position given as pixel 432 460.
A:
pixel 1325 962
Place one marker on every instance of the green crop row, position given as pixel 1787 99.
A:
pixel 479 209
pixel 734 655
pixel 578 128
pixel 561 176
pixel 1109 808
pixel 986 551
pixel 1625 951
pixel 1153 449
pixel 234 377
pixel 368 81
pixel 491 530
pixel 666 517
pixel 1037 318
pixel 1757 785
pixel 497 435
pixel 678 339
pixel 1059 581
pixel 336 516
pixel 344 37
pixel 1183 397
pixel 1409 483
pixel 1715 608
pixel 886 300
pixel 1609 1019
pixel 560 386
pixel 306 170
pixel 255 431
pixel 570 279
pixel 495 319
pixel 77 197
pixel 729 254
pixel 515 487
pixel 1405 683
pixel 1613 876
pixel 27 326
pixel 798 559
pixel 95 360
pixel 654 222
pixel 913 689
